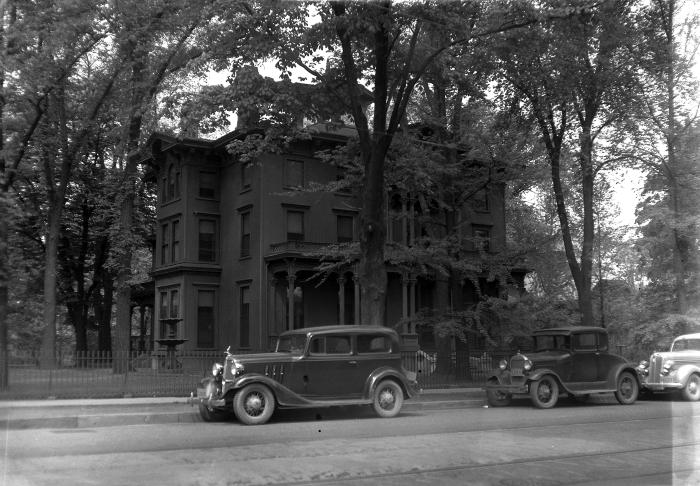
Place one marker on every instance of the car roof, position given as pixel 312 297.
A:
pixel 341 328
pixel 695 335
pixel 569 330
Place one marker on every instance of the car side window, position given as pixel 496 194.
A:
pixel 585 342
pixel 338 345
pixel 602 342
pixel 317 345
pixel 330 345
pixel 373 344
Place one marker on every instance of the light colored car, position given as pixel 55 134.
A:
pixel 675 370
pixel 311 368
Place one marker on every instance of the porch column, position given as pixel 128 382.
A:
pixel 404 222
pixel 356 281
pixel 341 299
pixel 271 309
pixel 411 223
pixel 142 329
pixel 404 301
pixel 152 327
pixel 412 294
pixel 290 301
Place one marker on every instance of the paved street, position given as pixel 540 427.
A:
pixel 651 442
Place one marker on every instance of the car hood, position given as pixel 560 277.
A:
pixel 263 358
pixel 680 357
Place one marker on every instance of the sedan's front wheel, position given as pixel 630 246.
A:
pixel 544 392
pixel 254 404
pixel 627 388
pixel 388 399
pixel 691 391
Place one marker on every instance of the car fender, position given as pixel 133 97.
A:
pixel 410 389
pixel 283 395
pixel 615 372
pixel 495 376
pixel 539 373
pixel 684 372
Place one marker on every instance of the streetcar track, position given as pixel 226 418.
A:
pixel 579 457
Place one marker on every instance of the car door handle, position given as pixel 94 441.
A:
pixel 353 362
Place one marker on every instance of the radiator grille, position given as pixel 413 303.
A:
pixel 516 365
pixel 655 369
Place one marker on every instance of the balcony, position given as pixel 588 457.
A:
pixel 294 248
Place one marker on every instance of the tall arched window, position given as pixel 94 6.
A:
pixel 171 182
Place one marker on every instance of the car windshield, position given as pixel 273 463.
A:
pixel 686 345
pixel 291 343
pixel 549 342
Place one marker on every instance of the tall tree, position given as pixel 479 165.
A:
pixel 574 75
pixel 667 140
pixel 41 45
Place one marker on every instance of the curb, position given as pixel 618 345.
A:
pixel 84 419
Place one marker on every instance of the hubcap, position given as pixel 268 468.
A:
pixel 626 388
pixel 693 386
pixel 386 399
pixel 254 404
pixel 544 392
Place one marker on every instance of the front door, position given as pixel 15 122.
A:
pixel 584 372
pixel 331 370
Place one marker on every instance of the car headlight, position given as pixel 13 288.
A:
pixel 216 369
pixel 643 367
pixel 236 368
pixel 527 365
pixel 503 364
pixel 667 367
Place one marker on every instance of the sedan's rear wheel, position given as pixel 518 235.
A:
pixel 627 388
pixel 691 391
pixel 388 399
pixel 544 392
pixel 254 404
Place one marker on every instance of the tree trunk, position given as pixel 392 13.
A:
pixel 678 245
pixel 4 271
pixel 48 341
pixel 671 173
pixel 585 298
pixel 104 330
pixel 123 331
pixel 372 270
pixel 77 315
pixel 126 219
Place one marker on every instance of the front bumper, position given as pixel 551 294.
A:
pixel 509 389
pixel 662 386
pixel 505 382
pixel 207 394
pixel 413 389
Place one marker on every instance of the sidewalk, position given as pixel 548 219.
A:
pixel 86 413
